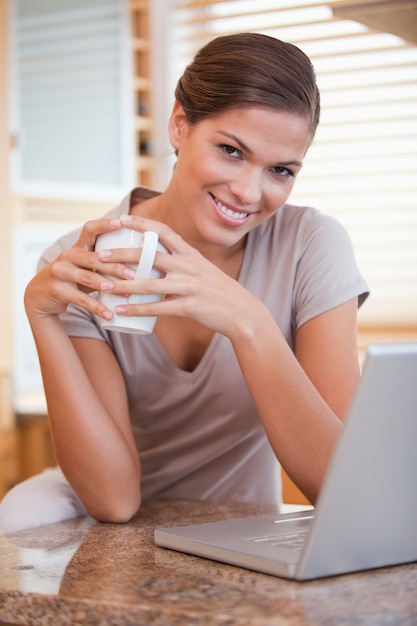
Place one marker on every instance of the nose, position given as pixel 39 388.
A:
pixel 247 186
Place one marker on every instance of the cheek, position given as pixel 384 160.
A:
pixel 277 196
pixel 206 168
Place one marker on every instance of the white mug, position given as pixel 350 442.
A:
pixel 129 238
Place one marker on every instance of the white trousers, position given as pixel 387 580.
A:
pixel 42 499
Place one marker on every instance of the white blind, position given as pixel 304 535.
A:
pixel 362 167
pixel 71 99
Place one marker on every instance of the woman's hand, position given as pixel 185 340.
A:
pixel 73 275
pixel 193 286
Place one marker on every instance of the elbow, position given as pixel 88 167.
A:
pixel 115 512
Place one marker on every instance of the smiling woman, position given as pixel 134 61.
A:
pixel 244 181
pixel 253 359
pixel 361 167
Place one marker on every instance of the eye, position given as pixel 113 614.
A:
pixel 282 171
pixel 230 150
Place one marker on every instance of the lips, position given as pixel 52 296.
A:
pixel 232 215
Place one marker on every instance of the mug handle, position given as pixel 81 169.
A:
pixel 147 257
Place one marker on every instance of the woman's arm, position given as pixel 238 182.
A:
pixel 327 348
pixel 85 391
pixel 302 400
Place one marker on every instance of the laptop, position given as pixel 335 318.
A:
pixel 366 513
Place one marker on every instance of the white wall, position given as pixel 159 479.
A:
pixel 161 15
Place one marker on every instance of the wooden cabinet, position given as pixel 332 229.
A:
pixel 35 445
pixel 25 441
pixel 9 461
pixel 290 493
pixel 9 442
pixel 25 451
pixel 139 10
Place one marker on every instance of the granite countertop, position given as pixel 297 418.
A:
pixel 82 572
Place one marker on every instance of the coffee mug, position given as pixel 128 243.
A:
pixel 148 242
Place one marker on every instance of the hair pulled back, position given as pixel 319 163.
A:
pixel 249 69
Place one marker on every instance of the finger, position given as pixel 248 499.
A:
pixel 91 262
pixel 93 228
pixel 89 303
pixel 169 238
pixel 150 286
pixel 66 274
pixel 66 292
pixel 130 257
pixel 120 255
pixel 167 306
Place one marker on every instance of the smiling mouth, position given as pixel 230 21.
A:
pixel 235 215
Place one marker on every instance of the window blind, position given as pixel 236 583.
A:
pixel 362 166
pixel 71 98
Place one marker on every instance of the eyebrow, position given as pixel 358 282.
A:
pixel 244 147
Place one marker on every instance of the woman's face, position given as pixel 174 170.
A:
pixel 235 170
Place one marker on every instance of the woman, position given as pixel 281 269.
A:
pixel 254 354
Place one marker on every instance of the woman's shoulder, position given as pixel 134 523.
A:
pixel 292 216
pixel 297 232
pixel 298 224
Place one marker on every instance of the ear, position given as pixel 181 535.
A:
pixel 177 125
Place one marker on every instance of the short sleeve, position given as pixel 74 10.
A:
pixel 327 274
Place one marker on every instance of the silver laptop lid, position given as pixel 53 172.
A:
pixel 366 515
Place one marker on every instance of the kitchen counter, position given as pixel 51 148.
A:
pixel 82 572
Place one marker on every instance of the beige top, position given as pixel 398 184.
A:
pixel 198 433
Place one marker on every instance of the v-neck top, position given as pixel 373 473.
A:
pixel 198 433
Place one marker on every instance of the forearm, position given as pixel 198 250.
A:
pixel 97 457
pixel 301 427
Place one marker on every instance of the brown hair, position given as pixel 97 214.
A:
pixel 249 69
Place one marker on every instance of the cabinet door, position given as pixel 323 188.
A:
pixel 71 93
pixel 36 450
pixel 9 461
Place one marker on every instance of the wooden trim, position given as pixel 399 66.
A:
pixel 382 334
pixel 389 329
pixel 290 493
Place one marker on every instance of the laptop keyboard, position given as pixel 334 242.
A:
pixel 291 540
pixel 292 534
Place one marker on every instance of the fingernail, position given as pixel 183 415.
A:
pixel 126 218
pixel 129 273
pixel 104 254
pixel 120 310
pixel 106 286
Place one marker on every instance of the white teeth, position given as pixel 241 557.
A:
pixel 233 214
